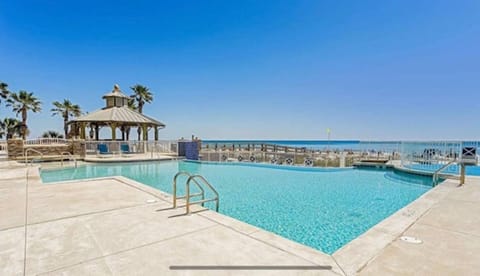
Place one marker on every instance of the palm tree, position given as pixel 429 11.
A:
pixel 4 91
pixel 21 103
pixel 141 95
pixel 52 134
pixel 10 127
pixel 66 109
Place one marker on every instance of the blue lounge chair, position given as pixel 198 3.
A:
pixel 102 150
pixel 125 149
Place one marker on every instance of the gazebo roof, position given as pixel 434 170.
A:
pixel 122 115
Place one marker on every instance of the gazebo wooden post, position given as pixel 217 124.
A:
pixel 123 133
pixel 97 129
pixel 145 132
pixel 113 126
pixel 156 133
pixel 91 133
pixel 71 133
pixel 82 130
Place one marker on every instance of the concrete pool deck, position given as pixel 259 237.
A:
pixel 106 227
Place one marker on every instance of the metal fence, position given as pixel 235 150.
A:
pixel 45 141
pixel 294 155
pixel 307 158
pixel 138 147
pixel 356 147
pixel 432 155
pixel 419 155
pixel 392 147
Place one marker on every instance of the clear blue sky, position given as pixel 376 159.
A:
pixel 256 69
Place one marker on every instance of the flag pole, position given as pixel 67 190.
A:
pixel 328 139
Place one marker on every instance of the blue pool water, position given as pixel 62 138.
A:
pixel 321 208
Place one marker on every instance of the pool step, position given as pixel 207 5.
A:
pixel 373 163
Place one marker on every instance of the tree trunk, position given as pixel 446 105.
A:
pixel 140 110
pixel 24 123
pixel 65 126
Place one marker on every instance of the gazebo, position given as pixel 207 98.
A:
pixel 115 114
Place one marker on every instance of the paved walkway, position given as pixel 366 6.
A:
pixel 107 227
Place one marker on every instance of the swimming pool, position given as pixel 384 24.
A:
pixel 321 208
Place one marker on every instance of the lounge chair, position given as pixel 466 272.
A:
pixel 125 149
pixel 102 150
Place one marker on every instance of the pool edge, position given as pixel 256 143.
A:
pixel 356 254
pixel 351 257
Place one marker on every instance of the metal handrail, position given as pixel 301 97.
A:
pixel 192 178
pixel 175 197
pixel 26 155
pixel 437 172
pixel 71 157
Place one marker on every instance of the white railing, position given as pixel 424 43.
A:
pixel 163 146
pixel 134 147
pixel 373 149
pixel 317 158
pixel 379 147
pixel 433 155
pixel 45 141
pixel 335 155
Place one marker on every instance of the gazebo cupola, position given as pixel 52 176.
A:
pixel 115 98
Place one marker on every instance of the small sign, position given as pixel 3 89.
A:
pixel 469 155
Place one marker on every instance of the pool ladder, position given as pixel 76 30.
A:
pixel 188 197
pixel 71 158
pixel 436 174
pixel 39 157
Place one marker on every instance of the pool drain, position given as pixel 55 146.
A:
pixel 151 201
pixel 410 239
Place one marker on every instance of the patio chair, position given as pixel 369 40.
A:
pixel 102 150
pixel 125 149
